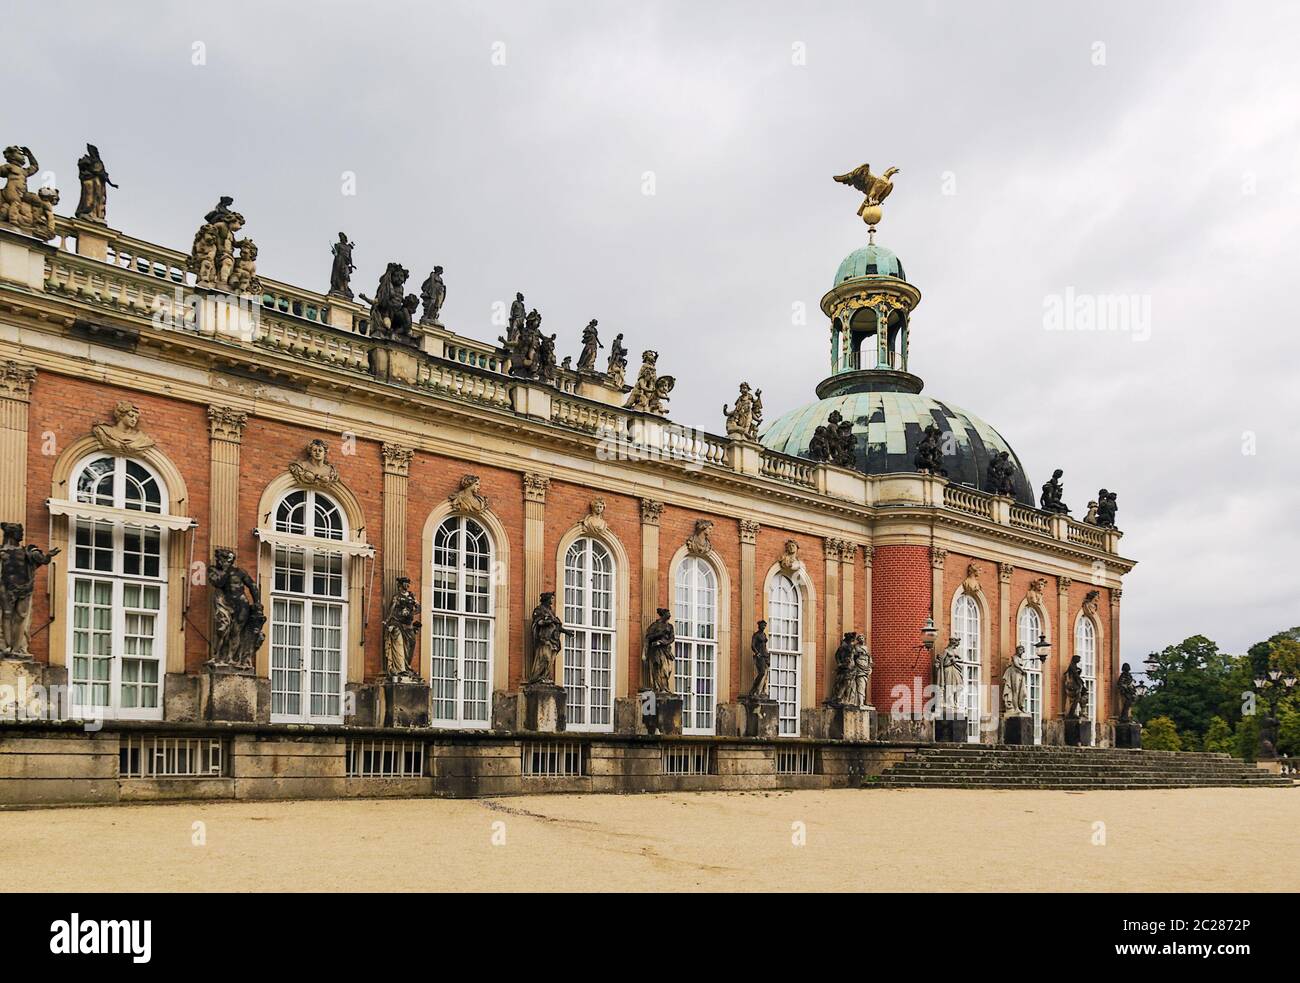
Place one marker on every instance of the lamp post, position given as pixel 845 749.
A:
pixel 1272 686
pixel 928 634
pixel 1042 649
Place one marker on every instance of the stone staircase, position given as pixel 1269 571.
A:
pixel 1069 769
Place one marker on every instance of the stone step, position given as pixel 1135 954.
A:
pixel 1063 786
pixel 940 773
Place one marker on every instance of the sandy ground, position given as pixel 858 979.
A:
pixel 856 840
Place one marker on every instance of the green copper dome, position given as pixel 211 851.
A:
pixel 888 427
pixel 870 260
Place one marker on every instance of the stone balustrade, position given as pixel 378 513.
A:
pixel 783 467
pixel 964 499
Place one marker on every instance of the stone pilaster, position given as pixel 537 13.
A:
pixel 868 553
pixel 1006 630
pixel 1109 688
pixel 535 487
pixel 15 397
pixel 1064 650
pixel 650 515
pixel 940 603
pixel 848 561
pixel 749 530
pixel 225 435
pixel 397 470
pixel 832 551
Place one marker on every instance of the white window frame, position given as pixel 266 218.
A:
pixel 1028 629
pixel 1085 647
pixel 587 622
pixel 968 625
pixel 453 688
pixel 310 545
pixel 695 611
pixel 785 607
pixel 120 517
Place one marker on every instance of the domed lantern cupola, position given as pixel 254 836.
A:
pixel 870 306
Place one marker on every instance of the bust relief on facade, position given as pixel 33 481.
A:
pixel 789 561
pixel 971 585
pixel 1035 593
pixel 594 524
pixel 314 468
pixel 467 498
pixel 699 543
pixel 123 435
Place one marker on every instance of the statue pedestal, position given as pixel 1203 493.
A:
pixel 1018 729
pixel 1078 732
pixel 23 693
pixel 951 730
pixel 849 723
pixel 1128 734
pixel 406 703
pixel 394 363
pixel 762 718
pixel 231 694
pixel 666 718
pixel 543 708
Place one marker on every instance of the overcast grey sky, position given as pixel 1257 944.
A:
pixel 1109 149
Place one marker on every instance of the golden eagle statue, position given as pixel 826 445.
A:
pixel 875 187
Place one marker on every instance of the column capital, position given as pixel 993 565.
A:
pixel 832 547
pixel 937 557
pixel 16 380
pixel 868 553
pixel 226 423
pixel 749 530
pixel 848 551
pixel 1115 594
pixel 1005 570
pixel 1063 584
pixel 535 486
pixel 397 459
pixel 651 511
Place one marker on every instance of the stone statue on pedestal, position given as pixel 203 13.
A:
pixel 660 656
pixel 650 392
pixel 844 692
pixel 742 422
pixel 762 663
pixel 433 293
pixel 1106 508
pixel 527 349
pixel 18 566
pixel 948 677
pixel 1015 686
pixel 390 311
pixel 1076 690
pixel 95 183
pixel 834 441
pixel 862 667
pixel 342 268
pixel 401 630
pixel 518 314
pixel 929 452
pixel 1126 689
pixel 237 614
pixel 27 212
pixel 1000 477
pixel 1050 500
pixel 548 641
pixel 616 369
pixel 219 259
pixel 590 347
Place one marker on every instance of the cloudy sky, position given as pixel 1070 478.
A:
pixel 1102 150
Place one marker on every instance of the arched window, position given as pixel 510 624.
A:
pixel 118 590
pixel 785 646
pixel 1028 630
pixel 460 624
pixel 696 615
pixel 1085 647
pixel 589 650
pixel 966 626
pixel 308 611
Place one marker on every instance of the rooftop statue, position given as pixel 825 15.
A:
pixel 25 211
pixel 875 187
pixel 95 183
pixel 742 422
pixel 390 311
pixel 433 293
pixel 518 314
pixel 1000 477
pixel 528 349
pixel 650 392
pixel 590 347
pixel 219 259
pixel 546 359
pixel 341 270
pixel 834 441
pixel 617 366
pixel 929 452
pixel 1050 500
pixel 1106 508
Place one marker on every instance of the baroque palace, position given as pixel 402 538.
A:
pixel 264 541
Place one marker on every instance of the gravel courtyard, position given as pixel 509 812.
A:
pixel 877 839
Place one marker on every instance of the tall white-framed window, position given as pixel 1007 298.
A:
pixel 589 649
pixel 696 616
pixel 1085 647
pixel 309 611
pixel 117 597
pixel 1029 628
pixel 461 624
pixel 966 626
pixel 785 648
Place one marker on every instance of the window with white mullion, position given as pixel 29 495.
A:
pixel 117 592
pixel 785 648
pixel 1085 647
pixel 461 624
pixel 589 650
pixel 1029 630
pixel 696 649
pixel 966 626
pixel 308 612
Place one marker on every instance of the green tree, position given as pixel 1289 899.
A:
pixel 1190 740
pixel 1246 739
pixel 1190 683
pixel 1160 734
pixel 1218 737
